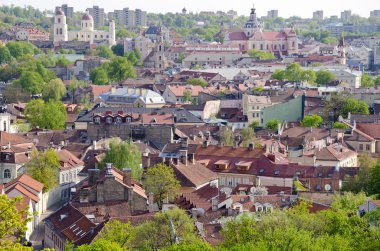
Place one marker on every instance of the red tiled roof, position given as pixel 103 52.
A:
pixel 273 36
pixel 97 90
pixel 193 174
pixel 237 35
pixel 20 188
pixel 372 130
pixel 26 180
pixel 68 160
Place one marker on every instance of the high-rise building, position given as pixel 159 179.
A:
pixel 69 11
pixel 129 18
pixel 98 15
pixel 272 14
pixel 318 15
pixel 345 15
pixel 375 14
pixel 140 17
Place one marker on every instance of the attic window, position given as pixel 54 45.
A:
pixel 298 173
pixel 320 174
pixel 277 172
pixel 261 171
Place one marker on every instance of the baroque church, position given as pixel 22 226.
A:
pixel 253 37
pixel 87 33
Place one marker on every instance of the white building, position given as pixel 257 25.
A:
pixel 253 105
pixel 86 33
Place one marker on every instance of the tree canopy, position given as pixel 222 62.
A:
pixel 197 81
pixel 54 90
pixel 366 81
pixel 124 155
pixel 161 181
pixel 323 78
pixel 272 124
pixel 311 121
pixel 50 115
pixel 44 167
pixel 262 55
pixel 104 51
pixel 294 73
pixel 99 76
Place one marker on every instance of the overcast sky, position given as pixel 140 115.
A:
pixel 303 8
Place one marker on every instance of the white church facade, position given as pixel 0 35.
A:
pixel 85 34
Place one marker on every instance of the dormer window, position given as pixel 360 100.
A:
pixel 118 120
pixel 129 120
pixel 97 120
pixel 7 157
pixel 277 172
pixel 261 171
pixel 298 173
pixel 108 120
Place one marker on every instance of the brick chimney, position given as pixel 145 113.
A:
pixel 184 155
pixel 93 176
pixel 127 176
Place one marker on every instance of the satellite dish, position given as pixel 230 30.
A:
pixel 253 190
pixel 327 187
pixel 226 190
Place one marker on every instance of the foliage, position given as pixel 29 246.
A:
pixel 197 81
pixel 120 69
pixel 117 232
pixel 104 51
pixel 187 96
pixel 278 75
pixel 311 121
pixel 54 90
pixel 50 115
pixel 12 222
pixel 272 124
pixel 20 48
pixel 100 245
pixel 330 41
pixel 62 62
pixel 99 76
pixel 294 73
pixel 44 167
pixel 124 155
pixel 366 81
pixel 353 106
pixel 374 180
pixel 248 136
pixel 161 182
pixel 163 231
pixel 5 55
pixel 323 78
pixel 376 81
pixel 31 82
pixel 227 136
pixel 14 94
pixel 118 50
pixel 340 125
pixel 123 33
pixel 254 124
pixel 308 76
pixel 74 85
pixel 262 55
pixel 193 246
pixel 340 105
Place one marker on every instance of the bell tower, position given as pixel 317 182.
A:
pixel 253 25
pixel 342 50
pixel 59 27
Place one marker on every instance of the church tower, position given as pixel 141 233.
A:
pixel 253 25
pixel 342 51
pixel 60 27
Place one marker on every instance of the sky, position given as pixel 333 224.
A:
pixel 303 8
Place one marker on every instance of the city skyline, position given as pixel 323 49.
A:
pixel 298 7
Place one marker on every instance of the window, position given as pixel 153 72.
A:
pixel 118 120
pixel 261 171
pixel 7 157
pixel 97 120
pixel 253 46
pixel 277 172
pixel 96 36
pixel 67 177
pixel 360 147
pixel 129 120
pixel 367 147
pixel 298 173
pixel 293 44
pixel 261 47
pixel 108 120
pixel 101 36
pixel 7 174
pixel 86 24
pixel 88 36
pixel 59 20
pixel 283 47
pixel 275 46
pixel 5 126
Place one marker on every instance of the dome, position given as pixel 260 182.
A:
pixel 87 16
pixel 59 12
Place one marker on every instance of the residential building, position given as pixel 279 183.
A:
pixel 32 34
pixel 318 15
pixel 272 14
pixel 87 33
pixel 253 37
pixel 69 11
pixel 98 15
pixel 364 138
pixel 157 58
pixel 375 14
pixel 210 59
pixel 129 18
pixel 143 44
pixel 253 106
pixel 178 94
pixel 157 33
pixel 132 97
pixel 351 78
pixel 15 153
pixel 141 18
pixel 346 15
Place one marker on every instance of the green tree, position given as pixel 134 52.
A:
pixel 120 69
pixel 278 75
pixel 330 41
pixel 324 77
pixel 187 96
pixel 44 167
pixel 193 246
pixel 374 181
pixel 163 231
pixel 54 90
pixel 340 125
pixel 62 62
pixel 12 222
pixel 74 85
pixel 376 81
pixel 197 81
pixel 366 81
pixel 137 53
pixel 293 72
pixel 254 124
pixel 14 93
pixel 20 49
pixel 118 50
pixel 131 56
pixel 32 82
pixel 124 155
pixel 100 245
pixel 104 51
pixel 248 136
pixel 161 181
pixel 50 115
pixel 117 232
pixel 227 136
pixel 99 76
pixel 308 76
pixel 5 55
pixel 262 55
pixel 311 121
pixel 352 106
pixel 272 124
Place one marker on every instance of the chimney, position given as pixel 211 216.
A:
pixel 9 145
pixel 145 160
pixel 93 176
pixel 183 154
pixel 94 145
pixel 251 146
pixel 205 144
pixel 214 204
pixel 184 142
pixel 151 203
pixel 127 176
pixel 109 170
